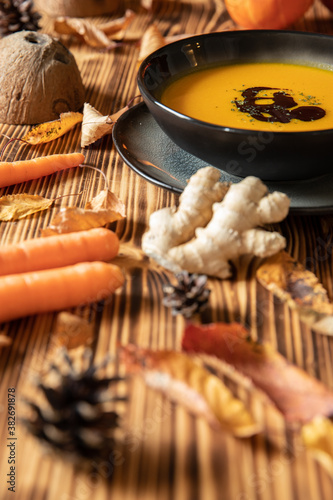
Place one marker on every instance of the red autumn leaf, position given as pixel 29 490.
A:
pixel 298 396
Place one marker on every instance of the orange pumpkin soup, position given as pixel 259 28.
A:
pixel 259 96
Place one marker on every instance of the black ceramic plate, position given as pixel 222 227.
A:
pixel 150 153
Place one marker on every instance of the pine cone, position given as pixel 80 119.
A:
pixel 189 296
pixel 75 417
pixel 18 15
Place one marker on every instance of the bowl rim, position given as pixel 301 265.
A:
pixel 235 130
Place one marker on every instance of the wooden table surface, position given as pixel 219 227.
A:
pixel 176 456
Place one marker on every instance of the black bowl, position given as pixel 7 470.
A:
pixel 267 155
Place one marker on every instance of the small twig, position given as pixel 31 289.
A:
pixel 98 170
pixel 132 100
pixel 67 195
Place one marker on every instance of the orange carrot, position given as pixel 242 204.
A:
pixel 56 289
pixel 26 170
pixel 58 251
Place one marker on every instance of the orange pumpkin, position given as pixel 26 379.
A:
pixel 266 14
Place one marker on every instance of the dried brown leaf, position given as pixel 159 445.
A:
pixel 71 331
pixel 84 29
pixel 95 125
pixel 116 28
pixel 299 288
pixel 106 200
pixel 297 395
pixel 150 41
pixel 318 439
pixel 185 381
pixel 19 206
pixel 49 131
pixel 105 208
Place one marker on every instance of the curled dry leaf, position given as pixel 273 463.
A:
pixel 116 28
pixel 85 30
pixel 49 131
pixel 105 208
pixel 297 395
pixel 299 288
pixel 150 41
pixel 19 206
pixel 95 125
pixel 108 202
pixel 183 380
pixel 317 437
pixel 97 36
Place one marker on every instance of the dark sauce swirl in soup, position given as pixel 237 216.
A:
pixel 283 107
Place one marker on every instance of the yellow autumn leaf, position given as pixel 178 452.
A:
pixel 185 381
pixel 317 437
pixel 49 131
pixel 18 206
pixel 105 208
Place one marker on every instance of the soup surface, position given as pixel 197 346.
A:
pixel 260 96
